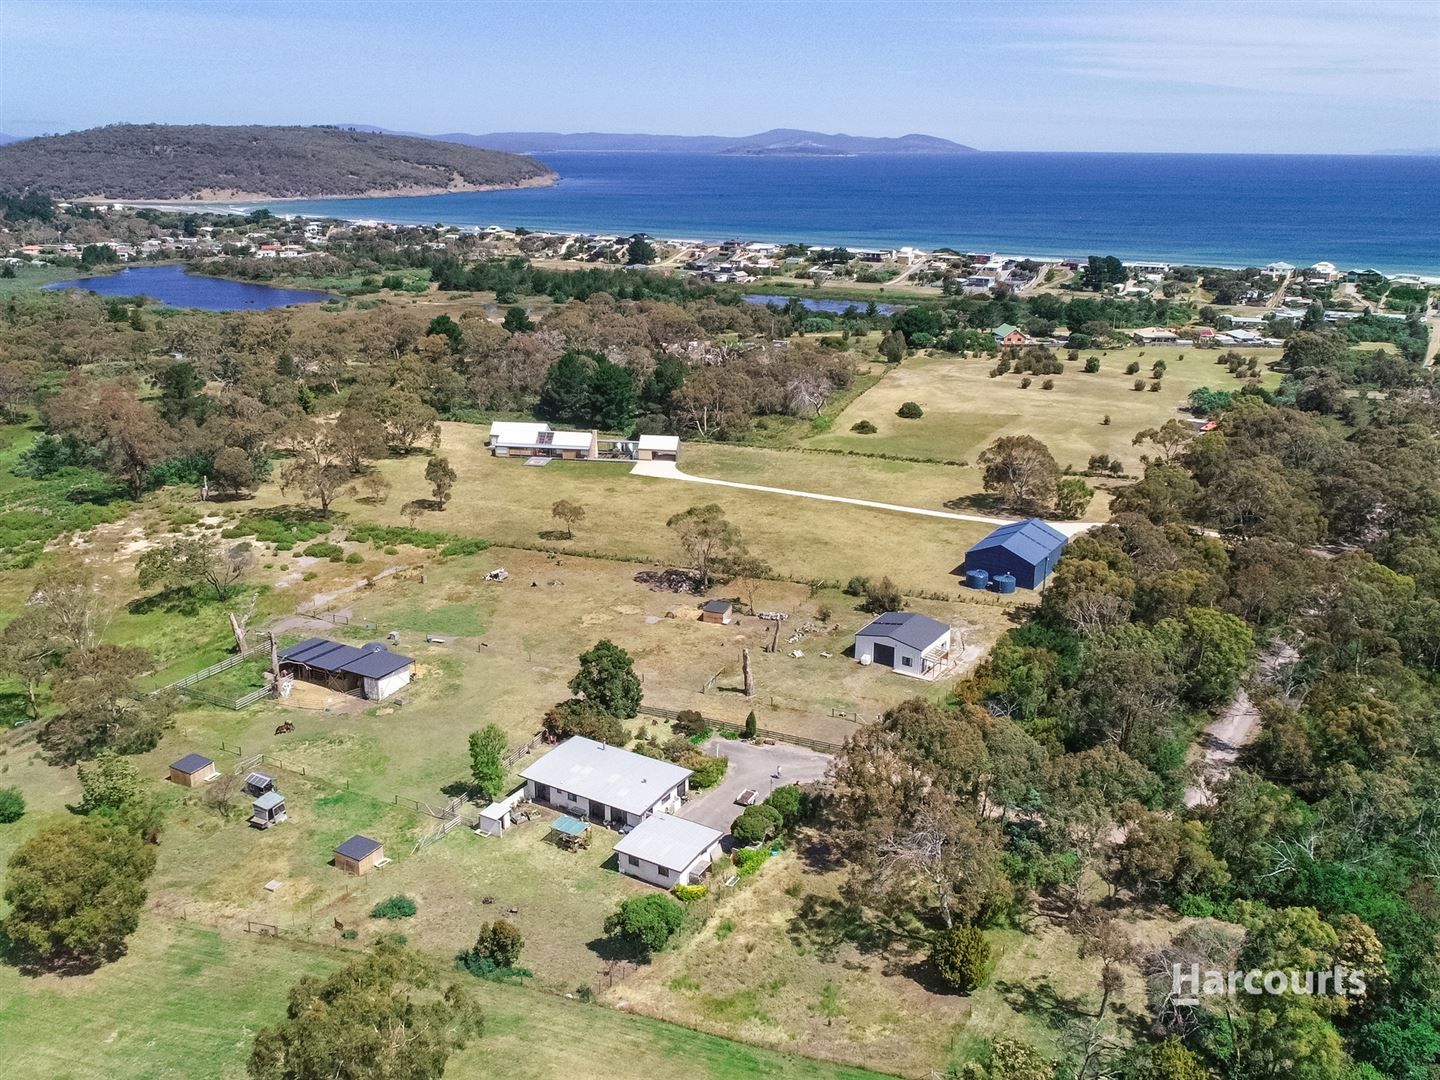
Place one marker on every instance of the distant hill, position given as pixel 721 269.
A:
pixel 6 140
pixel 200 162
pixel 776 141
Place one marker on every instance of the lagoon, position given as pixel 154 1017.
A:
pixel 827 307
pixel 174 287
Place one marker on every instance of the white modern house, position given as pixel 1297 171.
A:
pixel 519 439
pixel 605 784
pixel 907 642
pixel 667 851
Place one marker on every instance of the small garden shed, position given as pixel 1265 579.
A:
pixel 192 770
pixel 359 855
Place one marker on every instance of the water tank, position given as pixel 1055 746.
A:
pixel 1004 583
pixel 977 579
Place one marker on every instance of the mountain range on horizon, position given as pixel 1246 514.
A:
pixel 776 141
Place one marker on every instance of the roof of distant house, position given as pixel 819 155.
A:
pixel 606 774
pixel 357 847
pixel 1032 540
pixel 521 433
pixel 1005 330
pixel 660 442
pixel 668 841
pixel 907 627
pixel 192 763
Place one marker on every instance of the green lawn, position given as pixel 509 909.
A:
pixel 186 1002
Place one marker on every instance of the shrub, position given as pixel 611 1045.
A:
pixel 1092 364
pixel 882 596
pixel 1139 384
pixel 756 824
pixel 499 942
pixel 354 558
pixel 645 922
pixel 1048 384
pixel 963 958
pixel 12 805
pixel 910 411
pixel 1155 386
pixel 322 549
pixel 752 726
pixel 1025 382
pixel 1105 420
pixel 748 860
pixel 396 907
pixel 791 803
pixel 349 935
pixel 864 427
pixel 688 894
pixel 690 722
pixel 705 771
pixel 1132 367
pixel 576 717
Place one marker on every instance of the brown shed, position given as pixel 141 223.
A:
pixel 716 611
pixel 192 770
pixel 359 855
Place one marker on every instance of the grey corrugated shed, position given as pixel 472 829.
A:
pixel 606 774
pixel 269 800
pixel 907 627
pixel 357 847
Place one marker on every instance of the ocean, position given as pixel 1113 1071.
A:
pixel 1205 209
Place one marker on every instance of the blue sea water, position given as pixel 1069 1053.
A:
pixel 1228 210
pixel 172 286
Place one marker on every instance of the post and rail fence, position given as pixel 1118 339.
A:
pixel 823 745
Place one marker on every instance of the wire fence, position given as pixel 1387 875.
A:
pixel 823 745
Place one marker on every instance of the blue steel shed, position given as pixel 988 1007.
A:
pixel 1028 550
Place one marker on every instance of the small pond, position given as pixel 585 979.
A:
pixel 828 307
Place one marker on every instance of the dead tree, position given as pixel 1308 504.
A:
pixel 749 675
pixel 239 623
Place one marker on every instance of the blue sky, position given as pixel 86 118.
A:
pixel 1287 76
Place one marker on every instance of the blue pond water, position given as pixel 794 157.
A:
pixel 828 307
pixel 1203 209
pixel 172 286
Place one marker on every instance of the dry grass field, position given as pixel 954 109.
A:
pixel 965 409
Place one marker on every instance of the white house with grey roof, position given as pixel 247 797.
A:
pixel 667 851
pixel 605 784
pixel 907 642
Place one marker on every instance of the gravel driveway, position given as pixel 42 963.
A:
pixel 752 766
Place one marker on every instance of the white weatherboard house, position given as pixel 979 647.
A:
pixel 906 641
pixel 605 784
pixel 668 851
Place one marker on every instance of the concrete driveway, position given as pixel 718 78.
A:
pixel 752 766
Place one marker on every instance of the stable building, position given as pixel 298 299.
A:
pixel 906 642
pixel 359 855
pixel 528 440
pixel 1024 551
pixel 667 851
pixel 372 669
pixel 605 784
pixel 192 770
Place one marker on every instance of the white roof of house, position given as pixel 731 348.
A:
pixel 521 433
pixel 668 841
pixel 660 442
pixel 606 774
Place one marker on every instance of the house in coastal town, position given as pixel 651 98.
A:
pixel 1024 550
pixel 605 784
pixel 667 851
pixel 372 669
pixel 1154 335
pixel 658 448
pixel 906 642
pixel 717 611
pixel 359 855
pixel 1006 334
pixel 516 439
pixel 192 770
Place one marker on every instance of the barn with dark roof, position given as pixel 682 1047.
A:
pixel 1026 550
pixel 372 668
